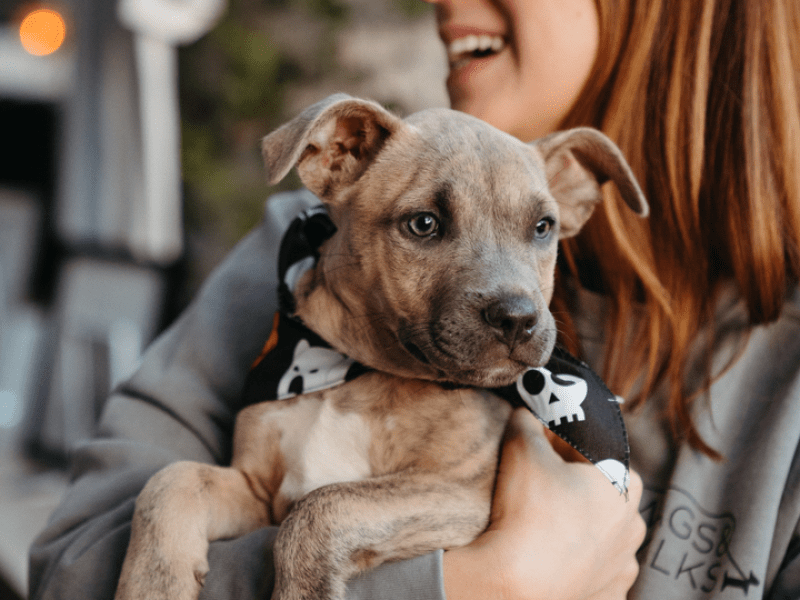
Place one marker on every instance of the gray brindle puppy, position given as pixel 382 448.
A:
pixel 441 270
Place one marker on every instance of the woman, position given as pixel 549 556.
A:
pixel 693 315
pixel 703 98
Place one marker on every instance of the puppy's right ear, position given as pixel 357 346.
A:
pixel 577 162
pixel 332 143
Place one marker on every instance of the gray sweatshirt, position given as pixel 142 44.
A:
pixel 724 529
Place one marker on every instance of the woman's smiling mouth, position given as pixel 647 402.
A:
pixel 463 50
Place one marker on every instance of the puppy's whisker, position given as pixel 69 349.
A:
pixel 564 333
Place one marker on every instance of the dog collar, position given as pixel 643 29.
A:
pixel 565 395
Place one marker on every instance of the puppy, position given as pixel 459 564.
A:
pixel 438 279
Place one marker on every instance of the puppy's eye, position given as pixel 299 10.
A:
pixel 543 228
pixel 423 224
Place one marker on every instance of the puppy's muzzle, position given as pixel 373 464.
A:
pixel 481 339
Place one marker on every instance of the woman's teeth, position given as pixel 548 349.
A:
pixel 464 49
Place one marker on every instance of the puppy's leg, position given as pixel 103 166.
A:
pixel 342 529
pixel 181 509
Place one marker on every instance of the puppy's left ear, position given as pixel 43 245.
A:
pixel 577 162
pixel 332 143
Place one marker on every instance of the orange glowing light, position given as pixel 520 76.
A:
pixel 42 32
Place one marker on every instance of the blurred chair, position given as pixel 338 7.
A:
pixel 105 311
pixel 20 322
pixel 87 253
pixel 90 231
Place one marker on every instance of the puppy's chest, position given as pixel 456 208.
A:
pixel 321 445
pixel 368 427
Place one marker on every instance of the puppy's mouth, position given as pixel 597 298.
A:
pixel 463 50
pixel 444 367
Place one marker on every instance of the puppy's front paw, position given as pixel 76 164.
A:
pixel 308 564
pixel 151 574
pixel 307 589
pixel 312 579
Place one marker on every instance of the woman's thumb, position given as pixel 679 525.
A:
pixel 525 427
pixel 525 435
pixel 527 466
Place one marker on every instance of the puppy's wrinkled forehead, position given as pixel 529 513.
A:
pixel 459 141
pixel 452 155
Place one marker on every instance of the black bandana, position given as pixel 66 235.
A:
pixel 565 394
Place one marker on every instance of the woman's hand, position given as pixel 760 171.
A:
pixel 559 529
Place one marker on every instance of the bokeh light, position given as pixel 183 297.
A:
pixel 42 31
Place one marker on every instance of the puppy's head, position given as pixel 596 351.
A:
pixel 442 265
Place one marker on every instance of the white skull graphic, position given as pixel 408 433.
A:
pixel 553 397
pixel 313 368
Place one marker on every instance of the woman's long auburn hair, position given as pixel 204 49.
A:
pixel 703 98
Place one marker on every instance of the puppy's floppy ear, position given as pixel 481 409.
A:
pixel 577 162
pixel 332 142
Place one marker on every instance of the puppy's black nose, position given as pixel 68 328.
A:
pixel 513 318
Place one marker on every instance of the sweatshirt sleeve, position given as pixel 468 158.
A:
pixel 787 583
pixel 243 569
pixel 180 404
pixel 786 544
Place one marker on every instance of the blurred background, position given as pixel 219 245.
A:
pixel 129 166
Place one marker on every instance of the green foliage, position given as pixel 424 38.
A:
pixel 234 83
pixel 332 11
pixel 413 9
pixel 253 71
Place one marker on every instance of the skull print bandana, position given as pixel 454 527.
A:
pixel 565 394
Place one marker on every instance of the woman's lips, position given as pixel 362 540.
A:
pixel 465 44
pixel 461 51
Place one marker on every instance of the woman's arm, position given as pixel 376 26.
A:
pixel 180 404
pixel 558 530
